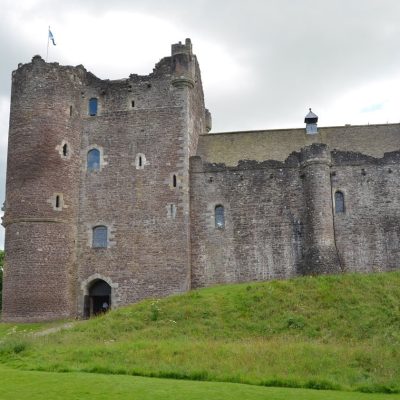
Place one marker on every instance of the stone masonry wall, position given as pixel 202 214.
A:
pixel 159 180
pixel 148 254
pixel 272 212
pixel 42 192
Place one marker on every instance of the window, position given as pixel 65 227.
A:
pixel 99 236
pixel 93 107
pixel 57 202
pixel 70 111
pixel 174 181
pixel 171 211
pixel 93 160
pixel 65 150
pixel 140 161
pixel 219 217
pixel 133 103
pixel 339 202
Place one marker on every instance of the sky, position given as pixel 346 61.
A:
pixel 263 62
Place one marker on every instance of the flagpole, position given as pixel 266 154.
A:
pixel 48 40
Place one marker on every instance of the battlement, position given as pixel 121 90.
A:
pixel 179 48
pixel 179 62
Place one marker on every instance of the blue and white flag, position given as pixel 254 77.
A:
pixel 51 37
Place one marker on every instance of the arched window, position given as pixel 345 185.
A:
pixel 93 107
pixel 339 202
pixel 219 217
pixel 99 236
pixel 93 160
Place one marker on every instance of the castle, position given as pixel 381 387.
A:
pixel 117 192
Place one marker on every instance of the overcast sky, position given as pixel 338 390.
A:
pixel 263 62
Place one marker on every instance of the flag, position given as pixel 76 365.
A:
pixel 51 37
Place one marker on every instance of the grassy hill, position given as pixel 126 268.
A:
pixel 329 332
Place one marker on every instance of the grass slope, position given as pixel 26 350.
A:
pixel 329 332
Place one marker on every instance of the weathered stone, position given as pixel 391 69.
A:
pixel 158 180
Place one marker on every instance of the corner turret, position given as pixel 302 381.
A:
pixel 183 67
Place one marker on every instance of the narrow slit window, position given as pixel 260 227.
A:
pixel 57 201
pixel 99 237
pixel 93 160
pixel 140 161
pixel 93 107
pixel 133 103
pixel 174 181
pixel 339 203
pixel 219 216
pixel 65 150
pixel 70 111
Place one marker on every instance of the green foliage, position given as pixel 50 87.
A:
pixel 328 332
pixel 13 346
pixel 1 276
pixel 33 385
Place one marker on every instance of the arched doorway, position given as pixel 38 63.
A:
pixel 98 299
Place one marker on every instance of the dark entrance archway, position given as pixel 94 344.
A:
pixel 99 298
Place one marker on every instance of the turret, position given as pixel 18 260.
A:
pixel 42 191
pixel 183 67
pixel 321 254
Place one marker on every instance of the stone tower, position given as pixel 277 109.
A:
pixel 42 191
pixel 142 130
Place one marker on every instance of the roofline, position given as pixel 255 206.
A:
pixel 297 129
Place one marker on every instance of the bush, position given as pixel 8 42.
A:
pixel 13 346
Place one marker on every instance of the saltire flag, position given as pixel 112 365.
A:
pixel 51 37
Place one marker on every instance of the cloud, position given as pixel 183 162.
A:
pixel 263 62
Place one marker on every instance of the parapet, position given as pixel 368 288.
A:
pixel 179 48
pixel 317 153
pixel 39 65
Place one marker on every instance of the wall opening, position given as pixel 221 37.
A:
pixel 70 111
pixel 99 237
pixel 171 210
pixel 219 216
pixel 93 160
pixel 93 106
pixel 98 300
pixel 174 181
pixel 140 161
pixel 133 103
pixel 57 201
pixel 339 202
pixel 65 150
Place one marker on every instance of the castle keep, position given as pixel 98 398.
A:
pixel 116 191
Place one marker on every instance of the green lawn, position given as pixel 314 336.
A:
pixel 328 332
pixel 33 385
